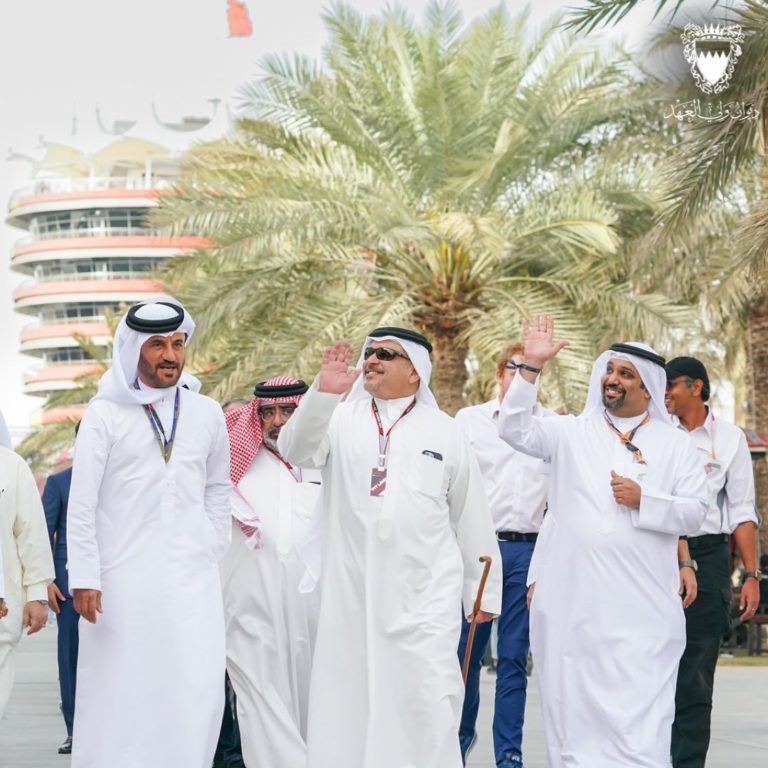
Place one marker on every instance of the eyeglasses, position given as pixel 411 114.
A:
pixel 511 365
pixel 383 353
pixel 674 382
pixel 268 412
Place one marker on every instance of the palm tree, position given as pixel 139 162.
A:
pixel 595 13
pixel 454 178
pixel 44 442
pixel 717 167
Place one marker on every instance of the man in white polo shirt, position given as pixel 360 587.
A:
pixel 516 485
pixel 725 457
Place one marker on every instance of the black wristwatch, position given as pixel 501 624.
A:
pixel 688 564
pixel 757 574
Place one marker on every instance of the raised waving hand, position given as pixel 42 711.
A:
pixel 335 376
pixel 538 340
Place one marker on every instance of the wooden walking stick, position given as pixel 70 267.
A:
pixel 473 620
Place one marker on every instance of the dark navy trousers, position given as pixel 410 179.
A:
pixel 68 642
pixel 511 680
pixel 229 752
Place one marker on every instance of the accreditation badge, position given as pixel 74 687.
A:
pixel 378 481
pixel 711 467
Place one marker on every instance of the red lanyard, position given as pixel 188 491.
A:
pixel 295 471
pixel 384 437
pixel 627 437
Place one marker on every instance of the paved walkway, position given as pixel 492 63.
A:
pixel 33 727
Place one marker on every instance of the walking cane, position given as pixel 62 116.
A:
pixel 473 620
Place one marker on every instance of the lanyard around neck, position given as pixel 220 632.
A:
pixel 384 436
pixel 711 436
pixel 627 437
pixel 164 443
pixel 295 471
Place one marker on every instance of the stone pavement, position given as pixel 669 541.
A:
pixel 33 727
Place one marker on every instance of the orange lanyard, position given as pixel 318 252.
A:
pixel 711 437
pixel 627 437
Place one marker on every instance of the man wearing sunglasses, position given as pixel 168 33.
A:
pixel 406 520
pixel 270 623
pixel 517 491
pixel 607 625
pixel 722 449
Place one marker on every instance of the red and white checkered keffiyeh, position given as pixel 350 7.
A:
pixel 245 439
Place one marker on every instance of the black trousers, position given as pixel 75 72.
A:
pixel 706 622
pixel 228 750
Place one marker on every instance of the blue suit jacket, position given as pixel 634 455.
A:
pixel 55 500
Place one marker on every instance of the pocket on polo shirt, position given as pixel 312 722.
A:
pixel 427 473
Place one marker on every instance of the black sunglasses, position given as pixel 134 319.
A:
pixel 383 353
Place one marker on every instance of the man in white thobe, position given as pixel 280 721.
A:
pixel 26 564
pixel 148 523
pixel 405 521
pixel 607 625
pixel 270 623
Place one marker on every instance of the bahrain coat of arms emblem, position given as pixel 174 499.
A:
pixel 712 51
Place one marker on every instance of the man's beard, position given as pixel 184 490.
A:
pixel 613 404
pixel 151 376
pixel 371 386
pixel 271 441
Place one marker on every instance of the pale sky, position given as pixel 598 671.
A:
pixel 60 55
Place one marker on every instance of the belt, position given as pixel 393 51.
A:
pixel 514 536
pixel 707 541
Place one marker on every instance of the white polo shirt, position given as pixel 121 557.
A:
pixel 730 479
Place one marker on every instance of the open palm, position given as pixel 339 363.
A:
pixel 335 375
pixel 538 334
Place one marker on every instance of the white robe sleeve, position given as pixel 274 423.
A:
pixel 31 535
pixel 304 440
pixel 534 435
pixel 2 576
pixel 5 435
pixel 218 489
pixel 471 518
pixel 682 511
pixel 91 453
pixel 540 551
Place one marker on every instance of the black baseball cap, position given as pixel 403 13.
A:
pixel 692 368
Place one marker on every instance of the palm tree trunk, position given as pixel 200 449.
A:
pixel 757 402
pixel 449 372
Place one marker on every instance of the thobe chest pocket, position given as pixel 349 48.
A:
pixel 636 471
pixel 427 473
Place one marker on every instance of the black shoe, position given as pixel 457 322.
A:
pixel 66 747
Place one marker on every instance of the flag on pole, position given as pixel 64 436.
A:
pixel 239 22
